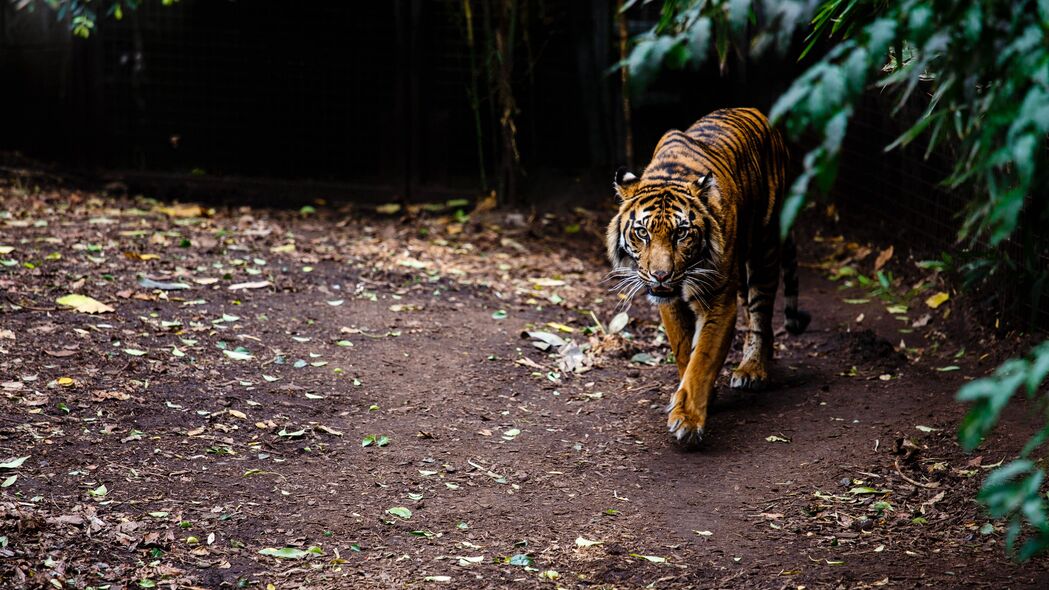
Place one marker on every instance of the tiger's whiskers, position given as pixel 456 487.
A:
pixel 630 283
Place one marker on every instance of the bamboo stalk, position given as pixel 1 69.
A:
pixel 475 99
pixel 628 130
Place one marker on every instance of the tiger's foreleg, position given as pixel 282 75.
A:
pixel 680 324
pixel 688 407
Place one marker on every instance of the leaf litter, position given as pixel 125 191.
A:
pixel 167 432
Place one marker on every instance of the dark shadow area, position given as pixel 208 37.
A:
pixel 359 101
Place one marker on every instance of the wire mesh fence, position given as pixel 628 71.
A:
pixel 224 88
pixel 901 191
pixel 371 94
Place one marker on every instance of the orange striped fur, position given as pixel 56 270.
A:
pixel 698 230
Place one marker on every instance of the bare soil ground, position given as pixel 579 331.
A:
pixel 332 398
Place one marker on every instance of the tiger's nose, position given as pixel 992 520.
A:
pixel 660 275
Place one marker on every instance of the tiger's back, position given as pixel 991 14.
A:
pixel 736 144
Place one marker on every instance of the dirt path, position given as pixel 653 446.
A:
pixel 222 421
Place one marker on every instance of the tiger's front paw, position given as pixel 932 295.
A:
pixel 685 426
pixel 751 376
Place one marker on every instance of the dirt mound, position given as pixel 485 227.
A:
pixel 865 347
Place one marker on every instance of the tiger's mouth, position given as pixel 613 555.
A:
pixel 664 292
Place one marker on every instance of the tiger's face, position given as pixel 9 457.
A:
pixel 663 241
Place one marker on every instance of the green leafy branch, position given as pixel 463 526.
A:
pixel 82 14
pixel 1012 491
pixel 987 64
pixel 682 37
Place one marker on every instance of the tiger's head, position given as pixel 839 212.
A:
pixel 664 240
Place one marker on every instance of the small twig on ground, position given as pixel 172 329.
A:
pixel 913 482
pixel 722 581
pixel 644 388
pixel 24 306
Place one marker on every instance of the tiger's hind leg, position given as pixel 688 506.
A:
pixel 797 319
pixel 760 297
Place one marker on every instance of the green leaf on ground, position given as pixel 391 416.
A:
pixel 13 463
pixel 645 358
pixel 618 322
pixel 148 283
pixel 291 552
pixel 546 340
pixel 251 285
pixel 239 354
pixel 866 490
pixel 379 440
pixel 520 559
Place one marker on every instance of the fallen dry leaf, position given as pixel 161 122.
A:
pixel 84 304
pixel 182 210
pixel 883 258
pixel 937 300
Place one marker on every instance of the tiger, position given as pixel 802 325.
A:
pixel 699 233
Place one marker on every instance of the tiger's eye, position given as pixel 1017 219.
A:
pixel 641 233
pixel 680 233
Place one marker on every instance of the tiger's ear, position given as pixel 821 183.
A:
pixel 700 188
pixel 625 183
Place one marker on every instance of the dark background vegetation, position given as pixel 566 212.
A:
pixel 374 96
pixel 374 101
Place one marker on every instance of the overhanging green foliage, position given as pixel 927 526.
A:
pixel 686 29
pixel 83 14
pixel 985 65
pixel 988 67
pixel 1012 492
